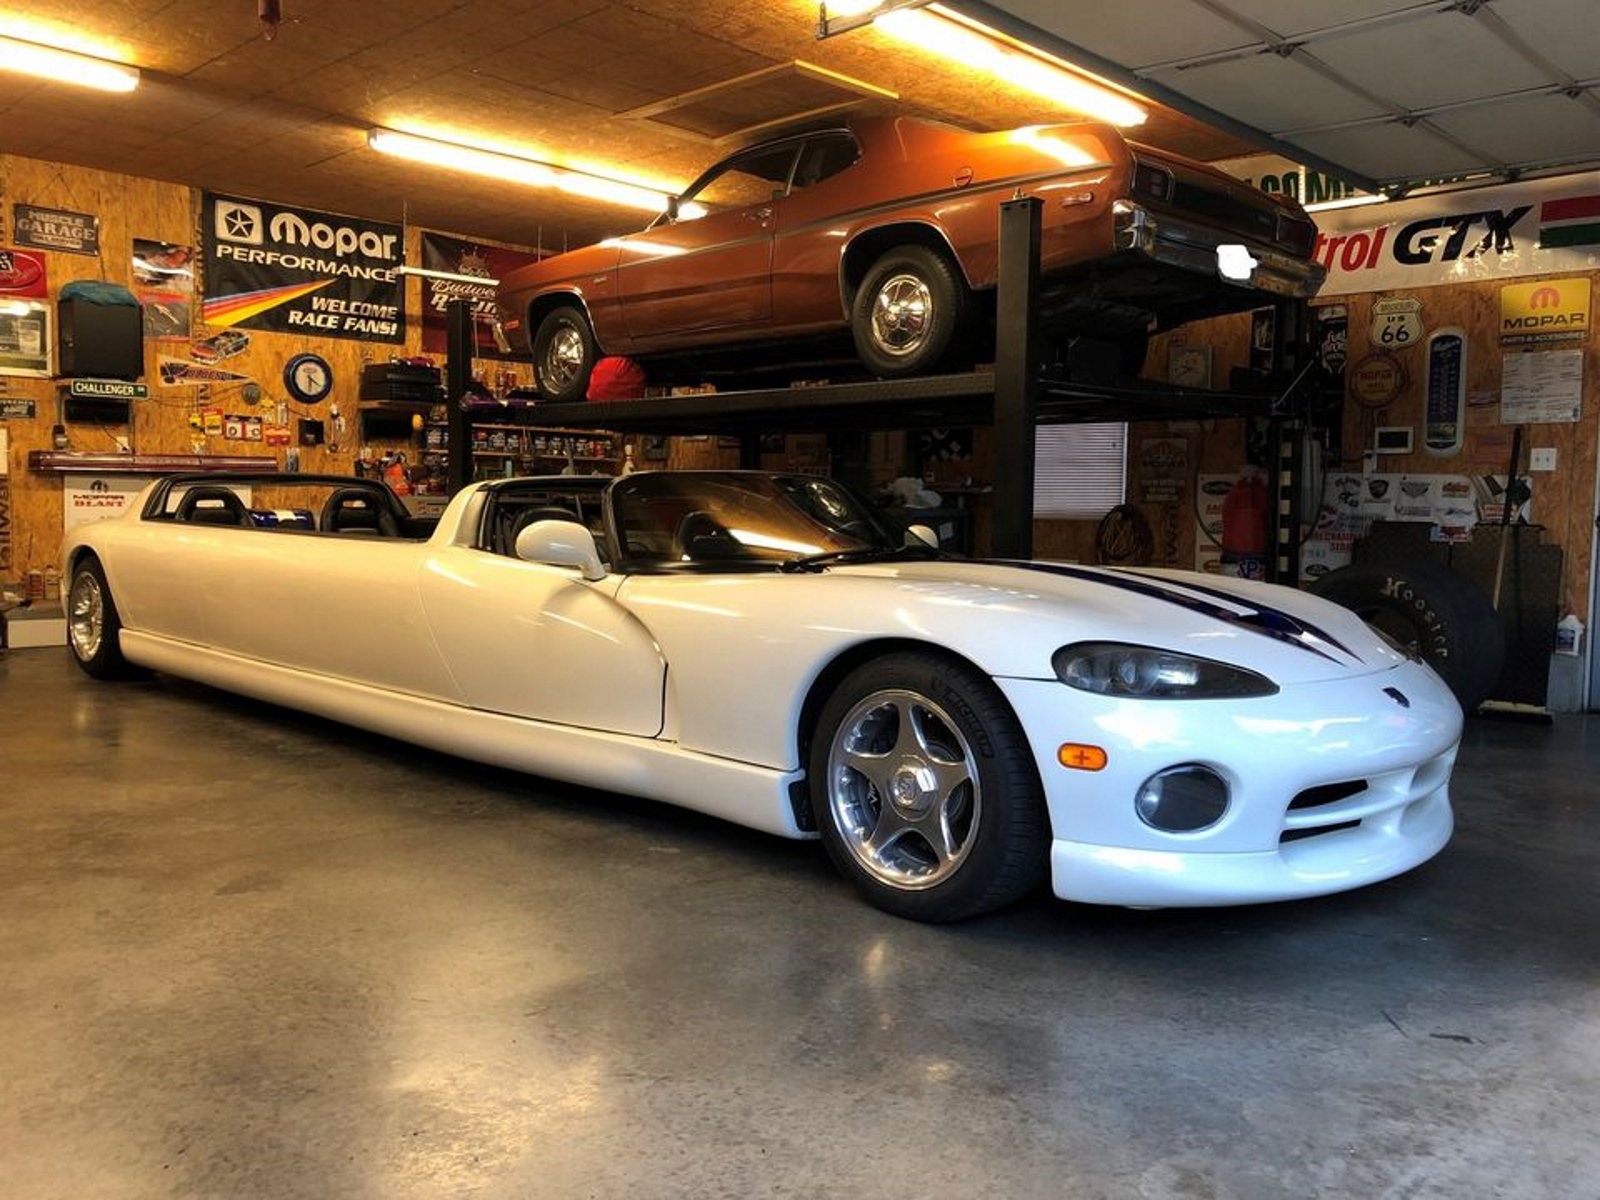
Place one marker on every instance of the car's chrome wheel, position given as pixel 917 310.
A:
pixel 924 790
pixel 86 615
pixel 901 313
pixel 908 311
pixel 903 790
pixel 94 628
pixel 564 354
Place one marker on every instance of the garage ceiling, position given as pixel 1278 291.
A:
pixel 651 89
pixel 1384 93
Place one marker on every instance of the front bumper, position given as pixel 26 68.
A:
pixel 1333 786
pixel 1189 246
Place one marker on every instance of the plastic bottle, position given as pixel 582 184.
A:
pixel 1569 635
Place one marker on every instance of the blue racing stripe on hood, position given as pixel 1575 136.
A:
pixel 1268 622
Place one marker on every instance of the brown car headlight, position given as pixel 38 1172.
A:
pixel 1148 673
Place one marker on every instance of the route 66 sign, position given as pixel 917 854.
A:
pixel 1396 323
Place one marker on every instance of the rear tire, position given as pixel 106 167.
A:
pixel 925 791
pixel 94 628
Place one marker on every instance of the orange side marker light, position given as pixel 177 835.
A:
pixel 1079 756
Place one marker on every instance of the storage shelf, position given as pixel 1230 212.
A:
pixel 146 464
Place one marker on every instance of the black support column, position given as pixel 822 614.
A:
pixel 457 375
pixel 1015 376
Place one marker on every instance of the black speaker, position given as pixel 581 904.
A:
pixel 100 341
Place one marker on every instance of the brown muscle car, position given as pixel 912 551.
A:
pixel 888 228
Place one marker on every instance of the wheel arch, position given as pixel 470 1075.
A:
pixel 832 673
pixel 545 303
pixel 866 247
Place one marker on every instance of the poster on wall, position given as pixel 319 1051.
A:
pixel 474 261
pixel 1541 387
pixel 25 344
pixel 1535 227
pixel 99 498
pixel 163 280
pixel 56 229
pixel 24 314
pixel 296 270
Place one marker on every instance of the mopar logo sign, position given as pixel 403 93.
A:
pixel 240 223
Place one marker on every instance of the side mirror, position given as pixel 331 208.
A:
pixel 561 544
pixel 921 533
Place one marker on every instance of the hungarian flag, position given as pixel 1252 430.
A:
pixel 1573 221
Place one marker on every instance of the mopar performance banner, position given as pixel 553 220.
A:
pixel 295 270
pixel 452 256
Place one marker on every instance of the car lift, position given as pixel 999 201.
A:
pixel 1013 398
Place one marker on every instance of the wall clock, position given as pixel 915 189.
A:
pixel 308 377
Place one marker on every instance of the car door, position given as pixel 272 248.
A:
pixel 710 267
pixel 537 641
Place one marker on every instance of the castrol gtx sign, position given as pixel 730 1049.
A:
pixel 1546 226
pixel 295 270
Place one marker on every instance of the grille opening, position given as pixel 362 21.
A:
pixel 1327 793
pixel 1296 835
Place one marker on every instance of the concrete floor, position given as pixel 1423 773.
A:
pixel 249 954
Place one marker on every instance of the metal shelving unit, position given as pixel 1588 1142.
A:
pixel 1013 399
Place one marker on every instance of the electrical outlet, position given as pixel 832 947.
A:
pixel 1543 459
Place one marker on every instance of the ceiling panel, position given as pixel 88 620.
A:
pixel 1291 74
pixel 224 107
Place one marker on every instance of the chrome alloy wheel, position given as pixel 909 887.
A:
pixel 901 314
pixel 563 359
pixel 86 615
pixel 903 789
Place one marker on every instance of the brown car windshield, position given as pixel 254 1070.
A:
pixel 737 519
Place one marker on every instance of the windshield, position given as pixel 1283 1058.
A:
pixel 734 518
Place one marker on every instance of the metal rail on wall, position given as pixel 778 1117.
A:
pixel 1014 398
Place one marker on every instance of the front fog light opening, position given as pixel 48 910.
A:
pixel 1182 799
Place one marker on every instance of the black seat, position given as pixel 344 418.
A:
pixel 212 506
pixel 701 537
pixel 357 510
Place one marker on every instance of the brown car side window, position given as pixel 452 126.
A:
pixel 824 157
pixel 749 179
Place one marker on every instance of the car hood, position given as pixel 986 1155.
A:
pixel 1014 615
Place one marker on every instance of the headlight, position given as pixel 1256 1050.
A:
pixel 1114 669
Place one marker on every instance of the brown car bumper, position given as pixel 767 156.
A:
pixel 1175 242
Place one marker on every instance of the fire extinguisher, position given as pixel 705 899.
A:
pixel 1244 524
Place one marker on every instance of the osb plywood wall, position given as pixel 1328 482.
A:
pixel 1563 499
pixel 130 208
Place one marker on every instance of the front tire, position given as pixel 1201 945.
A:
pixel 924 790
pixel 94 628
pixel 564 354
pixel 907 311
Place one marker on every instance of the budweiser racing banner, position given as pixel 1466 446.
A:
pixel 295 270
pixel 481 266
pixel 1537 227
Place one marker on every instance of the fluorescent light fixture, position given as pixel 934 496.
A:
pixel 1346 202
pixel 499 165
pixel 66 66
pixel 446 276
pixel 979 48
